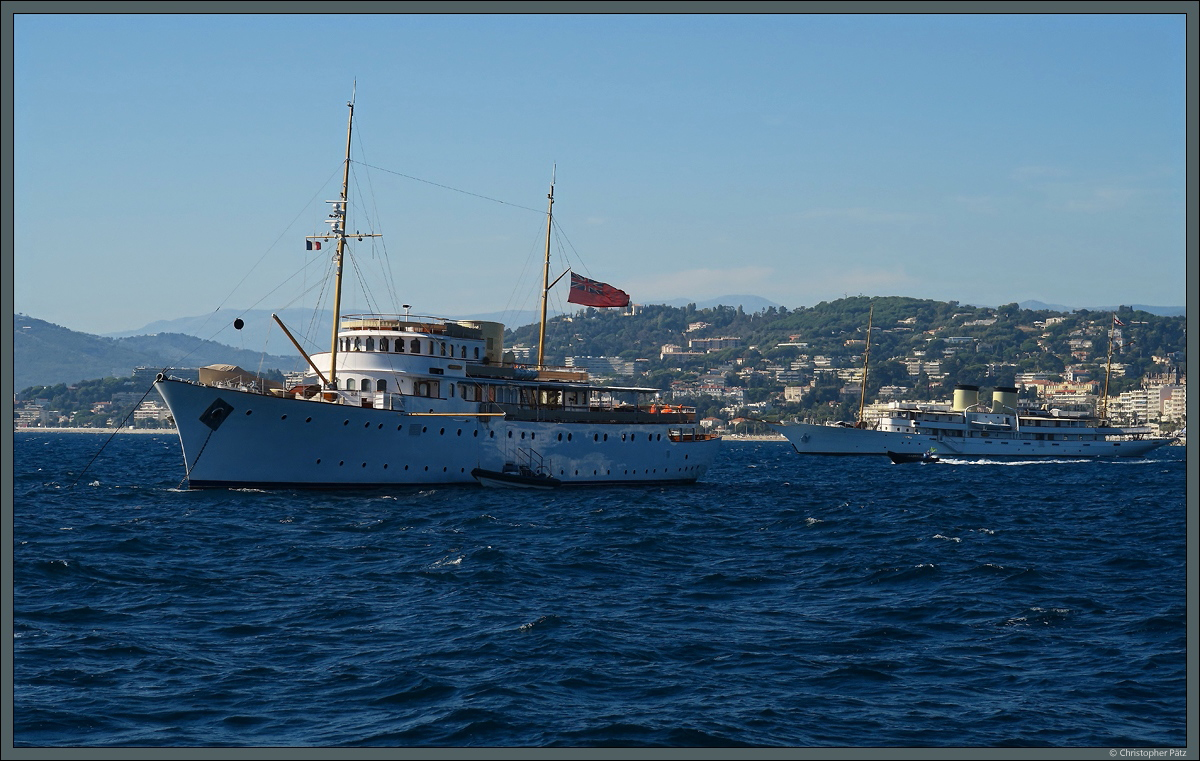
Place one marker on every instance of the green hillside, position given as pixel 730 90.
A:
pixel 977 345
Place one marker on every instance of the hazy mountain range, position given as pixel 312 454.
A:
pixel 45 354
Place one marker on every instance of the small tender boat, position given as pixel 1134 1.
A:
pixel 515 476
pixel 902 457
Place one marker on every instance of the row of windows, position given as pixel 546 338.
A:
pixel 414 346
pixel 596 436
pixel 492 434
pixel 469 392
pixel 561 472
pixel 365 385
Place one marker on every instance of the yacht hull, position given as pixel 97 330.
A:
pixel 238 439
pixel 807 438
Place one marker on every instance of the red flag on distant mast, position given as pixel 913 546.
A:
pixel 593 293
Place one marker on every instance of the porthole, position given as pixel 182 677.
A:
pixel 569 437
pixel 381 426
pixel 385 466
pixel 283 417
pixel 367 424
pixel 491 434
pixel 475 433
pixel 318 460
pixel 341 462
pixel 533 434
pixel 510 434
pixel 400 427
pixel 345 422
pixel 249 411
pixel 606 437
pixel 426 467
pixel 364 465
pixel 441 432
pixel 560 437
pixel 424 429
pixel 406 467
pixel 308 420
pixel 522 434
pixel 595 437
pixel 459 432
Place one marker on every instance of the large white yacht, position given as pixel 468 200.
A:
pixel 971 428
pixel 402 399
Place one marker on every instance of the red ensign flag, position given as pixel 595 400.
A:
pixel 593 293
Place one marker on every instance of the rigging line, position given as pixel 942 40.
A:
pixel 456 190
pixel 515 302
pixel 558 230
pixel 255 266
pixel 187 471
pixel 372 303
pixel 114 433
pixel 375 223
pixel 200 341
pixel 276 241
pixel 312 322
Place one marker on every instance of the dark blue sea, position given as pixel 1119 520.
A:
pixel 785 601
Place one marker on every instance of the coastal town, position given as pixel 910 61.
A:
pixel 739 370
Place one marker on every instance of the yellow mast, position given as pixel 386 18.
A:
pixel 862 402
pixel 339 229
pixel 546 276
pixel 1112 326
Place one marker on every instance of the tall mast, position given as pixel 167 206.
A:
pixel 546 275
pixel 1112 326
pixel 338 220
pixel 862 402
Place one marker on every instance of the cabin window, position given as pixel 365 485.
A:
pixel 451 390
pixel 415 346
pixel 381 385
pixel 476 352
pixel 431 347
pixel 357 345
pixel 350 384
pixel 399 344
pixel 383 344
pixel 443 343
pixel 366 385
pixel 463 390
pixel 451 350
pixel 370 344
pixel 462 352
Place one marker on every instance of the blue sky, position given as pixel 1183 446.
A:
pixel 168 165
